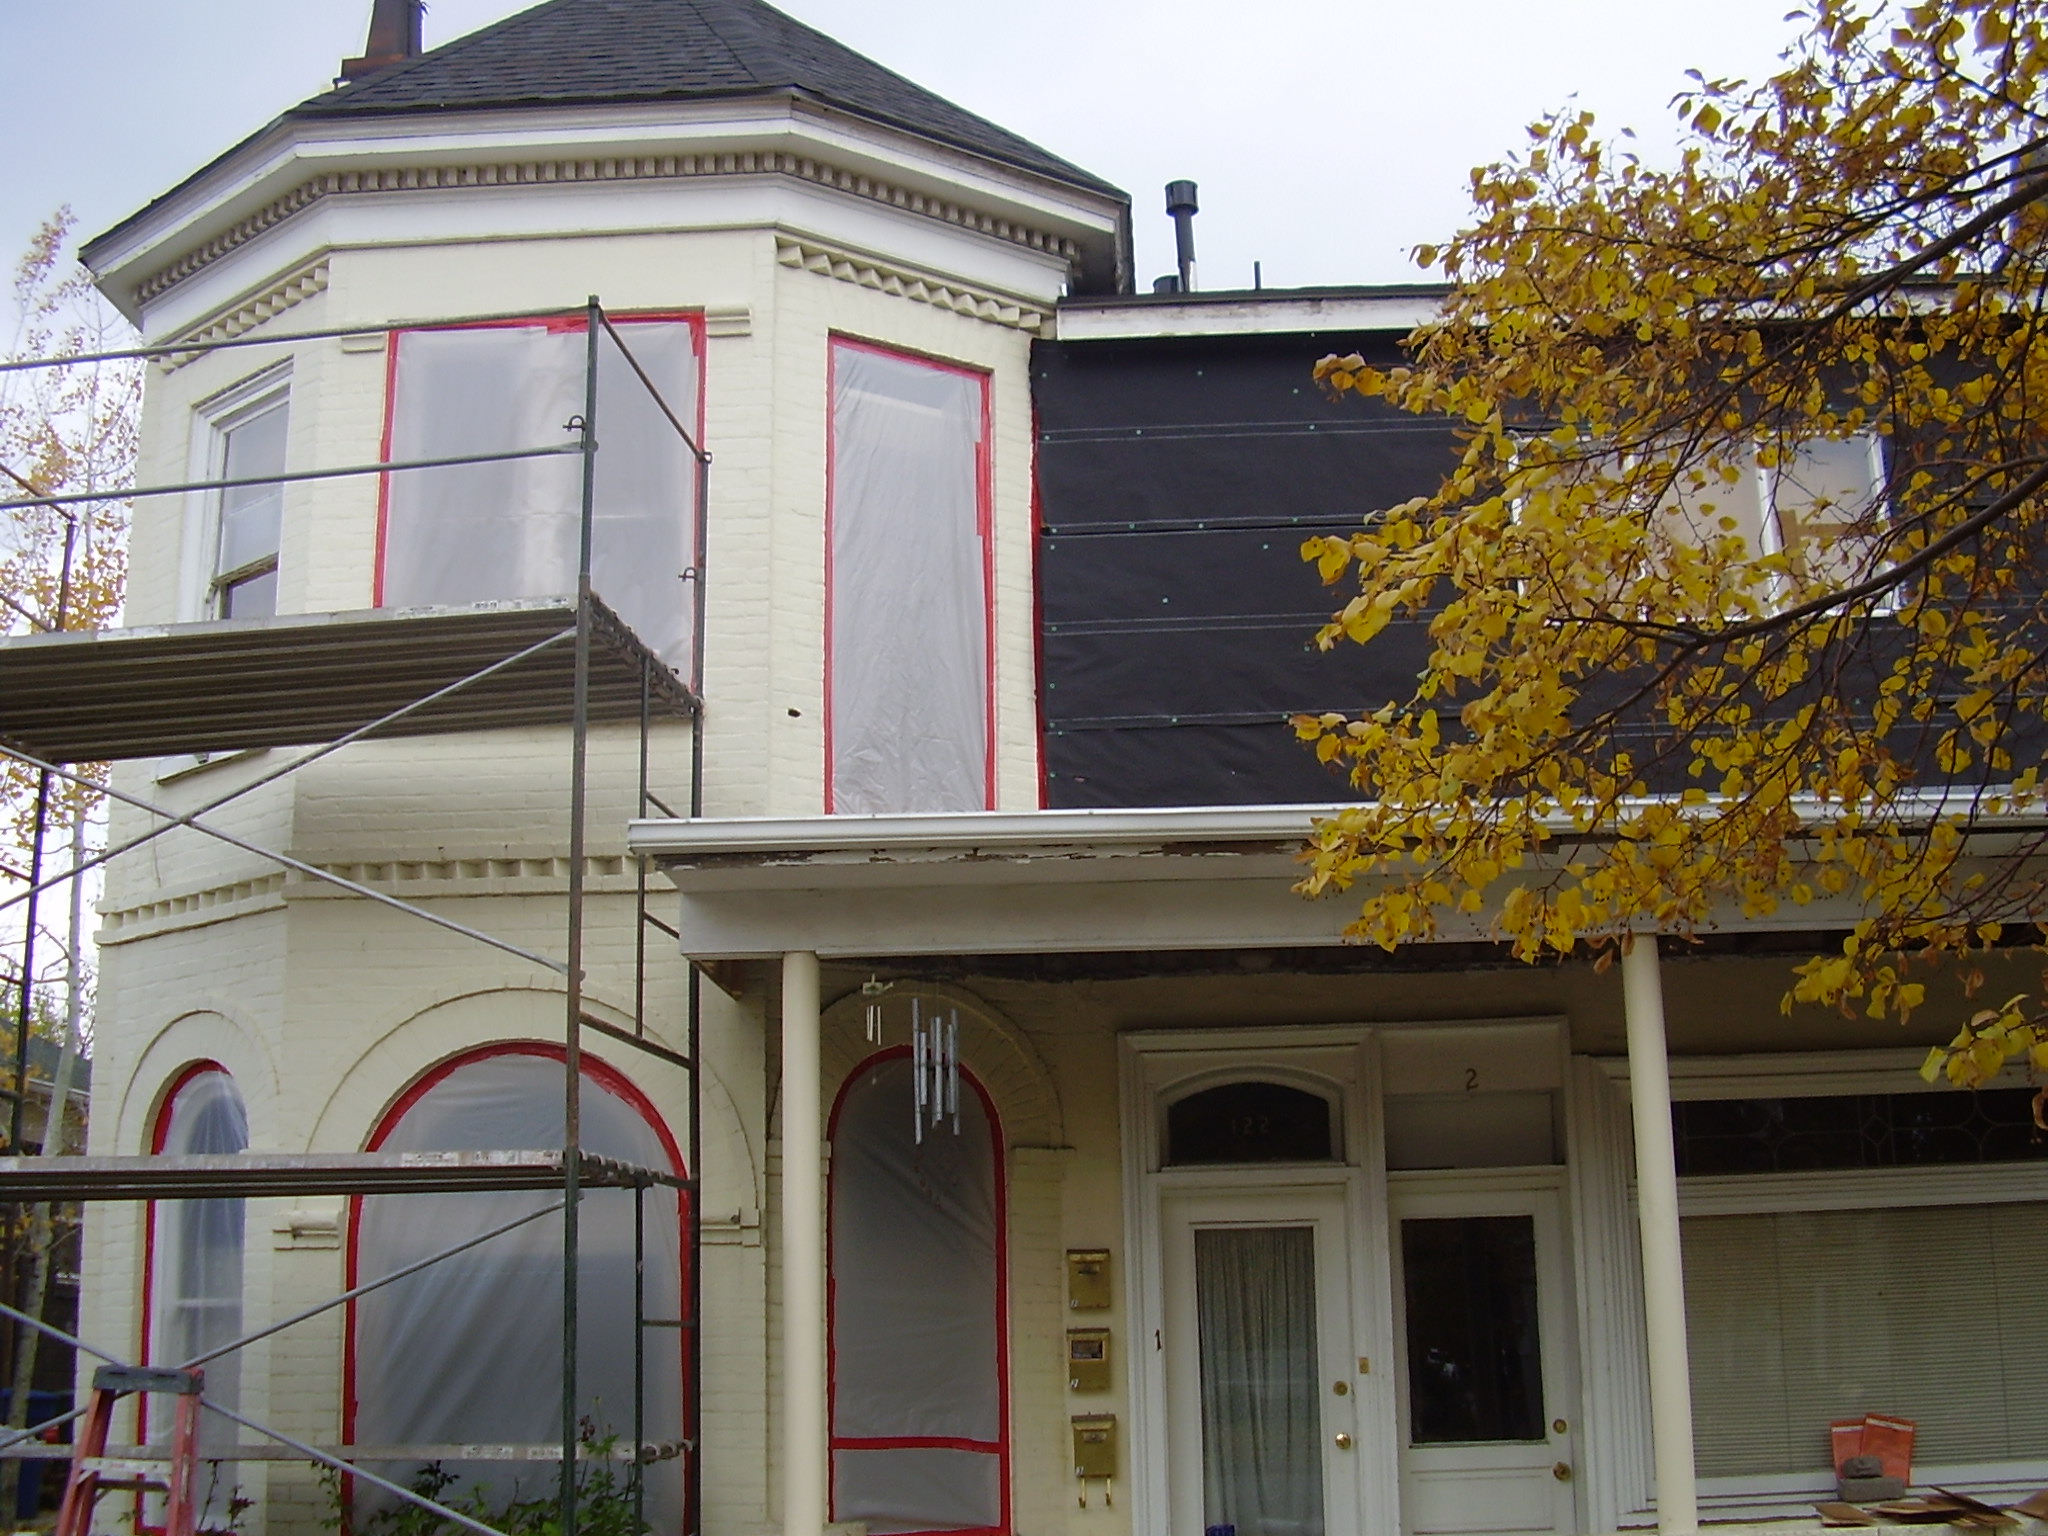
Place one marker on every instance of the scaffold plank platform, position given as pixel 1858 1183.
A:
pixel 652 1451
pixel 242 1175
pixel 299 679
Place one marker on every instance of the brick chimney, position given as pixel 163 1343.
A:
pixel 394 36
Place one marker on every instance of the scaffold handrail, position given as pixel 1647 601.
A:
pixel 651 1451
pixel 244 1175
pixel 280 338
pixel 285 476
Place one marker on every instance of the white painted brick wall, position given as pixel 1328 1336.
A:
pixel 326 1008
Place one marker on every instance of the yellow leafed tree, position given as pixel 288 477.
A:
pixel 1737 599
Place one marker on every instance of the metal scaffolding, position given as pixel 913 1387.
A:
pixel 334 679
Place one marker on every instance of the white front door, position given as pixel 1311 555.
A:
pixel 1261 1401
pixel 1482 1325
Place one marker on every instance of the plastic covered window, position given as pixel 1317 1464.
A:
pixel 477 532
pixel 469 1349
pixel 196 1268
pixel 907 666
pixel 918 1423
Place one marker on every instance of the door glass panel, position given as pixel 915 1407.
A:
pixel 1255 1300
pixel 1475 1369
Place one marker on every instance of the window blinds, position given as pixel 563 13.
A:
pixel 1799 1317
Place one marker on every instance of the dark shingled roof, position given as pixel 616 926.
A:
pixel 568 51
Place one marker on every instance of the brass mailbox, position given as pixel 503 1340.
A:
pixel 1088 1359
pixel 1088 1279
pixel 1095 1445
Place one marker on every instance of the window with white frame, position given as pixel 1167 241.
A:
pixel 1860 1253
pixel 247 433
pixel 1819 503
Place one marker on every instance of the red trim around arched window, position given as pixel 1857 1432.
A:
pixel 1001 1448
pixel 595 1070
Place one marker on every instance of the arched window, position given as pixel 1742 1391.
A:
pixel 1250 1122
pixel 194 1269
pixel 920 1416
pixel 469 1349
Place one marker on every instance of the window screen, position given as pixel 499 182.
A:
pixel 907 693
pixel 469 1349
pixel 1796 1318
pixel 474 532
pixel 917 1405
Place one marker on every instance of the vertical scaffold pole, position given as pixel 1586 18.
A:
pixel 572 1056
pixel 693 1348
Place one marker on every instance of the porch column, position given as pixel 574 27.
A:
pixel 803 1254
pixel 1649 1087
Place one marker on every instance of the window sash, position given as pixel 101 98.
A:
pixel 249 519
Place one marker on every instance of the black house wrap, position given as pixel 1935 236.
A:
pixel 1177 478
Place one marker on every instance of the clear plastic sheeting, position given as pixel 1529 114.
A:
pixel 469 1349
pixel 476 532
pixel 907 687
pixel 918 1488
pixel 196 1279
pixel 917 1417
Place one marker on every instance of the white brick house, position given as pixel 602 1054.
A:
pixel 1167 1057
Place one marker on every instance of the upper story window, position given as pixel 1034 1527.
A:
pixel 908 697
pixel 475 532
pixel 1820 504
pixel 245 433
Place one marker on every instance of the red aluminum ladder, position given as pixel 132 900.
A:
pixel 93 1472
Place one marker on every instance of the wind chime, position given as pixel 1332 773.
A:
pixel 934 1057
pixel 934 1068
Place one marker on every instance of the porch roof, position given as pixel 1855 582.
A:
pixel 992 882
pixel 1041 882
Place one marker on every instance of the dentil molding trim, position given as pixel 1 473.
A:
pixel 602 169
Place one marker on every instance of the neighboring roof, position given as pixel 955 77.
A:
pixel 593 51
pixel 304 678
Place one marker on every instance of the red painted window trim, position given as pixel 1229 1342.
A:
pixel 569 324
pixel 999 1448
pixel 984 527
pixel 596 1070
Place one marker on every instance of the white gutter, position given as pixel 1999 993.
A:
pixel 687 842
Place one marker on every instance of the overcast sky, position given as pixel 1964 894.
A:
pixel 1328 136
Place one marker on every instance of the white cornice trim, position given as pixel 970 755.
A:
pixel 906 283
pixel 252 312
pixel 599 168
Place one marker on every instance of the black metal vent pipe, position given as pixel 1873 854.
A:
pixel 1181 207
